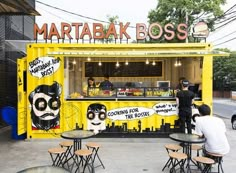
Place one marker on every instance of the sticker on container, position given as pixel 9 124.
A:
pixel 130 113
pixel 44 66
pixel 166 109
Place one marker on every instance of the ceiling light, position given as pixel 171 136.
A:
pixel 117 64
pixel 153 63
pixel 74 62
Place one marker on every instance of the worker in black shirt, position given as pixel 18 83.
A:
pixel 184 100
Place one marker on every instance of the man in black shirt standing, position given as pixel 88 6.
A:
pixel 184 100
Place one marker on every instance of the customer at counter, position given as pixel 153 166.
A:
pixel 213 129
pixel 106 84
pixel 184 101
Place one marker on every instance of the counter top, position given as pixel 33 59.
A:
pixel 134 98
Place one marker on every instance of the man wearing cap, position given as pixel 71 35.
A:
pixel 184 100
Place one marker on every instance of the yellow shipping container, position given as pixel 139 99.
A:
pixel 52 77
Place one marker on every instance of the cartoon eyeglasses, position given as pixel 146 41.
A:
pixel 101 115
pixel 41 103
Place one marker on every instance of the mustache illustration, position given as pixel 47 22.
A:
pixel 48 114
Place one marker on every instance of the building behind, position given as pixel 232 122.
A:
pixel 12 27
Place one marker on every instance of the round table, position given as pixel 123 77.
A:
pixel 44 169
pixel 188 140
pixel 77 136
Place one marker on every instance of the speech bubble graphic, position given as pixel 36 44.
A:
pixel 129 113
pixel 166 109
pixel 44 66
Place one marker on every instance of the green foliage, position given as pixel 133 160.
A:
pixel 111 19
pixel 224 72
pixel 175 11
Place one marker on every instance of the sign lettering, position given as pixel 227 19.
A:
pixel 80 31
pixel 44 66
pixel 166 109
pixel 130 113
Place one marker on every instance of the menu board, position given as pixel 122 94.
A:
pixel 133 69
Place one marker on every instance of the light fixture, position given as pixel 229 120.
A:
pixel 126 62
pixel 88 59
pixel 74 62
pixel 100 63
pixel 178 62
pixel 147 61
pixel 117 64
pixel 153 63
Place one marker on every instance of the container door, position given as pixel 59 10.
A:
pixel 21 97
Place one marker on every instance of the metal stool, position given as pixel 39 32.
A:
pixel 95 147
pixel 173 148
pixel 86 156
pixel 206 162
pixel 58 159
pixel 218 158
pixel 196 148
pixel 68 145
pixel 177 158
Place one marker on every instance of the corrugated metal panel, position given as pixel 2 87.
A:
pixel 22 98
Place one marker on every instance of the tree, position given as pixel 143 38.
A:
pixel 111 19
pixel 224 72
pixel 176 11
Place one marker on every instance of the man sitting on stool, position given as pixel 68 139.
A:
pixel 213 129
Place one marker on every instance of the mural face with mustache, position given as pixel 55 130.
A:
pixel 96 115
pixel 45 106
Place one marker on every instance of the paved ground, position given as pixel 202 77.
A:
pixel 225 101
pixel 120 155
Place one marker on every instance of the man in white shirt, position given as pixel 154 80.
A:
pixel 213 129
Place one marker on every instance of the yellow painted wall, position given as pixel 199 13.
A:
pixel 74 112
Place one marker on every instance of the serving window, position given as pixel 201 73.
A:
pixel 133 77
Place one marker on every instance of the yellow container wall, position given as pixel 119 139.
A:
pixel 45 67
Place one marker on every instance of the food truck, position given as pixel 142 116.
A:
pixel 53 96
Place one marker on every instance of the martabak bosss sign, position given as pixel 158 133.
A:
pixel 96 31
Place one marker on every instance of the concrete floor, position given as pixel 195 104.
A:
pixel 119 155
